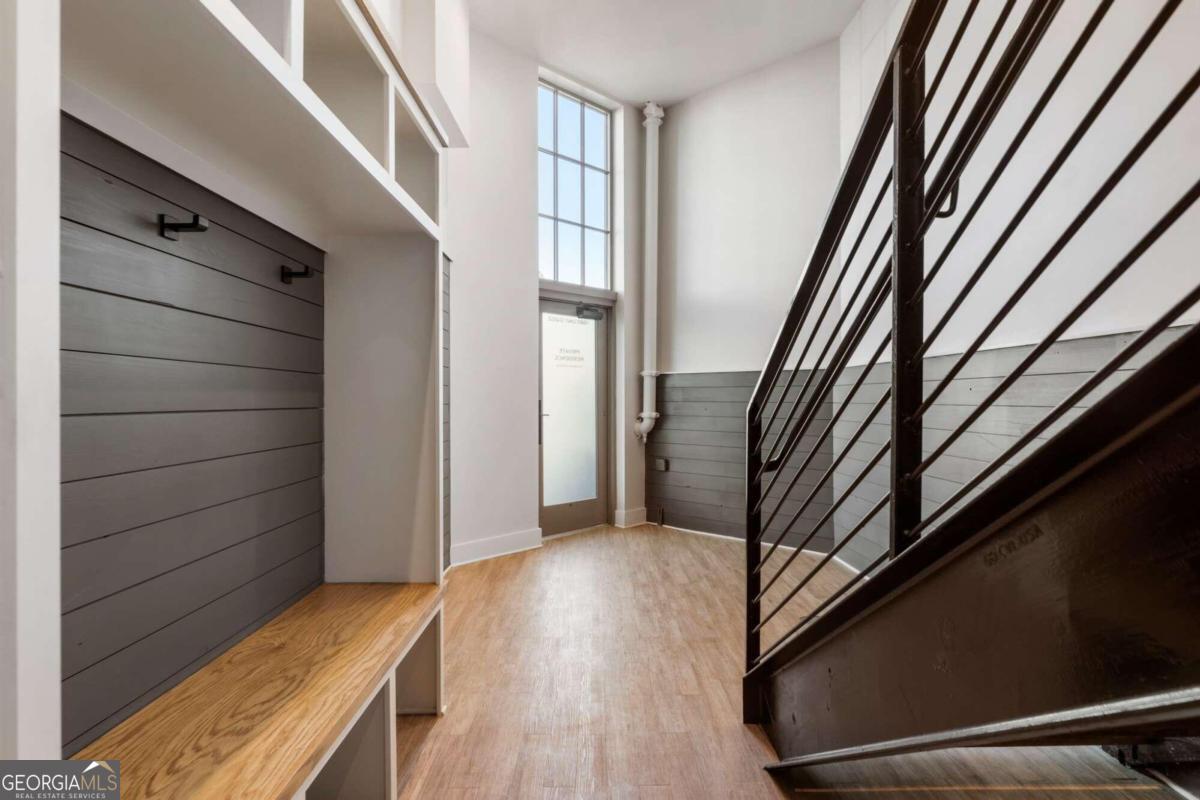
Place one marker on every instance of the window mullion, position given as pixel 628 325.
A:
pixel 582 203
pixel 554 158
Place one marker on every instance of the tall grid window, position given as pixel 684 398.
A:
pixel 574 189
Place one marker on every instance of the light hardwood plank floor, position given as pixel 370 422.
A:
pixel 607 664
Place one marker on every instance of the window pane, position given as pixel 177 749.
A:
pixel 570 266
pixel 569 415
pixel 596 258
pixel 545 248
pixel 568 126
pixel 569 191
pixel 545 118
pixel 545 184
pixel 595 137
pixel 595 198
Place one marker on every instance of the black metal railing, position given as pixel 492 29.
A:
pixel 898 267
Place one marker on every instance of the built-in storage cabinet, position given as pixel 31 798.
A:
pixel 284 405
pixel 331 46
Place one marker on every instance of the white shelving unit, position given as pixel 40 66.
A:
pixel 297 95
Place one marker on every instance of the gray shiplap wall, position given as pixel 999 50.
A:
pixel 1051 379
pixel 445 412
pixel 191 430
pixel 701 436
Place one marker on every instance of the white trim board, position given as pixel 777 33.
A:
pixel 565 534
pixel 494 546
pixel 629 517
pixel 739 539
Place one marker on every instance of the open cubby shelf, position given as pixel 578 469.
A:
pixel 273 19
pixel 339 66
pixel 415 159
pixel 299 91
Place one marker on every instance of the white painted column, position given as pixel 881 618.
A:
pixel 30 662
pixel 653 121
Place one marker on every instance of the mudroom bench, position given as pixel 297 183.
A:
pixel 304 707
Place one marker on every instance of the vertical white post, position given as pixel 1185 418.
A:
pixel 294 49
pixel 389 736
pixel 30 667
pixel 654 118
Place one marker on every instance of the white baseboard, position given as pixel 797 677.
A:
pixel 554 536
pixel 495 546
pixel 782 547
pixel 629 517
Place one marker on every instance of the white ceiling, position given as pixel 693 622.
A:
pixel 662 50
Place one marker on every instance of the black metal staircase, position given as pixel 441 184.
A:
pixel 1053 596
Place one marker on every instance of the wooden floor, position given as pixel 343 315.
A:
pixel 607 664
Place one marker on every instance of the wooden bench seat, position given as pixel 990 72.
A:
pixel 262 718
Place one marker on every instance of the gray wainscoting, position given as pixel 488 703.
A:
pixel 191 430
pixel 700 440
pixel 695 461
pixel 1052 378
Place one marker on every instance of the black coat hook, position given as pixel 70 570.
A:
pixel 286 273
pixel 170 228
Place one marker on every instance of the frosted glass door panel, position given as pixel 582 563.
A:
pixel 569 422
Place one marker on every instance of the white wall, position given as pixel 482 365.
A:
pixel 381 398
pixel 490 232
pixel 748 169
pixel 1160 178
pixel 30 672
pixel 436 52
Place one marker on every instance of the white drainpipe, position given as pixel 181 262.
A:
pixel 645 421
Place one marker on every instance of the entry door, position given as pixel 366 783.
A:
pixel 573 434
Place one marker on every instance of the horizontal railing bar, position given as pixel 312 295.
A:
pixel 951 49
pixel 837 548
pixel 961 98
pixel 783 437
pixel 872 135
pixel 1071 401
pixel 1017 140
pixel 825 434
pixel 871 307
pixel 1008 70
pixel 1166 386
pixel 816 612
pixel 1136 252
pixel 1052 170
pixel 828 515
pixel 887 182
pixel 837 462
pixel 1082 217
